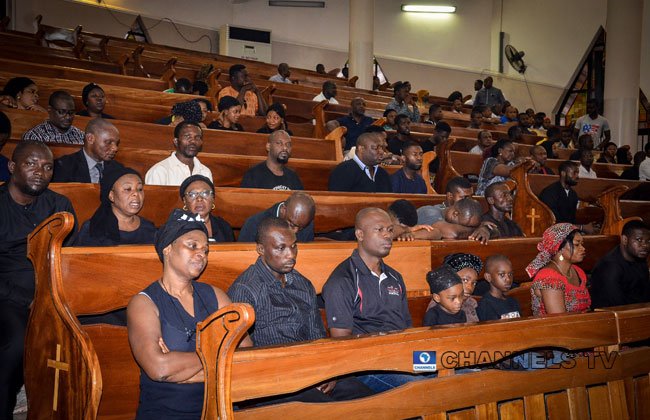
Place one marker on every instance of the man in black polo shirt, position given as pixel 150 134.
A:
pixel 500 200
pixel 273 173
pixel 562 199
pixel 362 173
pixel 364 295
pixel 621 277
pixel 356 122
pixel 298 210
pixel 25 201
pixel 286 309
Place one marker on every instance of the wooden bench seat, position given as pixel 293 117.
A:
pixel 100 378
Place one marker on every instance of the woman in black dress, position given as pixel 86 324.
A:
pixel 197 193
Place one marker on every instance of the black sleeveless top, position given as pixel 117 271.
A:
pixel 165 400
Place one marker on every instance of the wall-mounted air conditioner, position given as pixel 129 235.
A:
pixel 251 44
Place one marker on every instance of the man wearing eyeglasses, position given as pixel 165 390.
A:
pixel 298 211
pixel 58 127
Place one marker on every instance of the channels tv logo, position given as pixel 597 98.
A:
pixel 424 361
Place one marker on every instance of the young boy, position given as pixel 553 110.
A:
pixel 495 304
pixel 447 292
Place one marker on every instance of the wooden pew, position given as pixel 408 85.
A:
pixel 159 137
pixel 98 377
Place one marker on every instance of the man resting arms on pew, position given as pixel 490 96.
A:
pixel 162 322
pixel 101 143
pixel 456 189
pixel 244 90
pixel 25 201
pixel 621 277
pixel 273 173
pixel 188 141
pixel 286 309
pixel 298 211
pixel 363 295
pixel 58 127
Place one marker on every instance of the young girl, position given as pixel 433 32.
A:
pixel 447 292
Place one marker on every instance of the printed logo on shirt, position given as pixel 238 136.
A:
pixel 395 291
pixel 590 129
pixel 281 188
pixel 424 361
pixel 509 315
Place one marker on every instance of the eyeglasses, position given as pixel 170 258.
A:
pixel 193 195
pixel 64 112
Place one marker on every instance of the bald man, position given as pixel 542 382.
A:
pixel 298 211
pixel 538 154
pixel 101 143
pixel 273 173
pixel 362 173
pixel 364 295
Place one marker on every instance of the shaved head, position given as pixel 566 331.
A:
pixel 97 125
pixel 363 216
pixel 298 210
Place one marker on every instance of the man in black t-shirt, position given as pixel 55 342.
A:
pixel 500 200
pixel 25 201
pixel 273 174
pixel 621 277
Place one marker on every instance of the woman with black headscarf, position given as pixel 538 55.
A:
pixel 197 193
pixel 116 221
pixel 161 321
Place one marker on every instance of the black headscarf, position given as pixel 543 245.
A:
pixel 104 223
pixel 194 178
pixel 442 278
pixel 179 223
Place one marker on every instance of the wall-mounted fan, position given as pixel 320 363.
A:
pixel 515 58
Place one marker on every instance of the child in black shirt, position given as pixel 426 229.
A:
pixel 447 292
pixel 495 304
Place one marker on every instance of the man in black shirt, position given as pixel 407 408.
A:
pixel 621 277
pixel 25 201
pixel 273 173
pixel 101 143
pixel 298 210
pixel 356 122
pixel 562 199
pixel 362 173
pixel 500 200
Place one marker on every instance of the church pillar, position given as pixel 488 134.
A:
pixel 622 70
pixel 362 21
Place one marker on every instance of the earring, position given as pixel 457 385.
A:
pixel 561 257
pixel 213 206
pixel 185 207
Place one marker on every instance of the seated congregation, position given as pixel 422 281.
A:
pixel 405 258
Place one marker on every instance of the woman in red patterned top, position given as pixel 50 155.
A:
pixel 559 285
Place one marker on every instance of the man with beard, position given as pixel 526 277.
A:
pixel 286 308
pixel 398 140
pixel 188 141
pixel 298 211
pixel 500 200
pixel 562 199
pixel 25 201
pixel 273 173
pixel 364 295
pixel 88 164
pixel 621 277
pixel 408 180
pixel 58 127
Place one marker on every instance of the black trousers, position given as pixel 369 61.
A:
pixel 13 323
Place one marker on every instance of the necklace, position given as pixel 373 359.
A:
pixel 567 274
pixel 189 332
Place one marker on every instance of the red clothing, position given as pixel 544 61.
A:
pixel 576 298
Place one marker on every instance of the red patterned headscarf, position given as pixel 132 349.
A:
pixel 549 246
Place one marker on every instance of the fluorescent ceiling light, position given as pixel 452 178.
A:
pixel 289 3
pixel 428 9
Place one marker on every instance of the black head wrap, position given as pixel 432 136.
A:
pixel 104 223
pixel 442 278
pixel 460 260
pixel 190 111
pixel 179 223
pixel 194 178
pixel 227 102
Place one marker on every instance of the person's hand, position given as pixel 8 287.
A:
pixel 163 346
pixel 405 237
pixel 415 228
pixel 249 86
pixel 176 120
pixel 481 234
pixel 327 387
pixel 8 101
pixel 36 107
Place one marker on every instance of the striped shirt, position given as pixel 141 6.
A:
pixel 48 133
pixel 282 314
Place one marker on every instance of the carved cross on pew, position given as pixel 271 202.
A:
pixel 58 366
pixel 532 216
